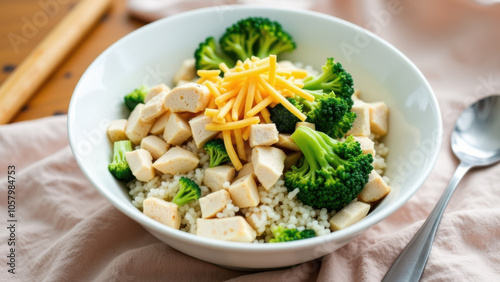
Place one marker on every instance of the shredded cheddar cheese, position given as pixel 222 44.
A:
pixel 241 96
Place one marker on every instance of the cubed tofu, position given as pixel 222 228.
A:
pixel 350 214
pixel 136 127
pixel 155 146
pixel 162 211
pixel 228 229
pixel 159 124
pixel 141 164
pixel 246 170
pixel 361 125
pixel 215 177
pixel 244 192
pixel 285 141
pixel 213 203
pixel 263 134
pixel 116 130
pixel 378 118
pixel 268 164
pixel 186 72
pixel 176 160
pixel 291 160
pixel 177 130
pixel 304 123
pixel 375 189
pixel 155 90
pixel 189 97
pixel 366 144
pixel 200 134
pixel 154 107
pixel 253 218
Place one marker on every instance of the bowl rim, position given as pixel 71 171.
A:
pixel 193 239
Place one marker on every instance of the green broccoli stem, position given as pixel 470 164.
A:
pixel 316 147
pixel 119 150
pixel 240 52
pixel 265 46
pixel 315 83
pixel 310 105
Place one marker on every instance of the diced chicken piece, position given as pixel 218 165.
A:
pixel 291 160
pixel 187 71
pixel 375 189
pixel 176 160
pixel 136 127
pixel 254 217
pixel 366 144
pixel 305 123
pixel 190 97
pixel 215 177
pixel 162 211
pixel 268 164
pixel 159 124
pixel 246 170
pixel 116 130
pixel 155 90
pixel 141 165
pixel 155 146
pixel 244 192
pixel 200 134
pixel 285 141
pixel 378 118
pixel 154 107
pixel 228 229
pixel 350 214
pixel 177 130
pixel 213 203
pixel 361 125
pixel 263 134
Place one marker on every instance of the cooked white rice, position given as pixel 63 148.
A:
pixel 277 206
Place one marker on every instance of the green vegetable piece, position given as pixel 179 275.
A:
pixel 119 167
pixel 282 234
pixel 331 174
pixel 188 191
pixel 333 78
pixel 209 57
pixel 136 97
pixel 217 152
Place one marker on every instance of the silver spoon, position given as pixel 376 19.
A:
pixel 476 142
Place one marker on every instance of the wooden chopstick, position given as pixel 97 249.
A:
pixel 44 59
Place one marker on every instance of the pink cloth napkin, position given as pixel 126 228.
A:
pixel 66 231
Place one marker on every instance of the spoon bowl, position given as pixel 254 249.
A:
pixel 475 140
pixel 476 137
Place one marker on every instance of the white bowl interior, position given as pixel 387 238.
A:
pixel 152 54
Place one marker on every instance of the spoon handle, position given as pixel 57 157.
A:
pixel 410 264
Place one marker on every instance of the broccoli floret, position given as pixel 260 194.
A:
pixel 333 78
pixel 119 167
pixel 208 57
pixel 329 113
pixel 188 192
pixel 282 234
pixel 256 36
pixel 285 121
pixel 332 172
pixel 217 151
pixel 136 97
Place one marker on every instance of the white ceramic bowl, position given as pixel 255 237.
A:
pixel 152 54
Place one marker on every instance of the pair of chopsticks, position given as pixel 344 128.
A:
pixel 44 59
